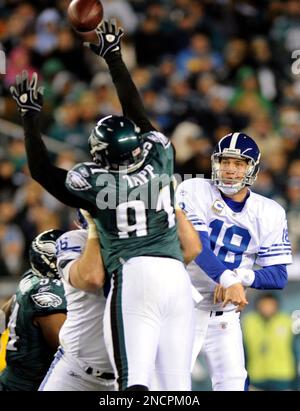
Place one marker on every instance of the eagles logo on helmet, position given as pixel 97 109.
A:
pixel 115 143
pixel 42 253
pixel 240 146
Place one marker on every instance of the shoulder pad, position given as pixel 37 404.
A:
pixel 158 137
pixel 77 178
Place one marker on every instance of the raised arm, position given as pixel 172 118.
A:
pixel 29 99
pixel 109 48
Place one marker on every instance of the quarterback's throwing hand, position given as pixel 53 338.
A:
pixel 109 36
pixel 27 94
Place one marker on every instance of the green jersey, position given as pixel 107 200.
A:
pixel 28 356
pixel 135 211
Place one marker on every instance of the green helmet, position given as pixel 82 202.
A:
pixel 115 143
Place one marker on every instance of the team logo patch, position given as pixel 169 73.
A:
pixel 24 98
pixel 84 172
pixel 218 206
pixel 46 300
pixel 77 182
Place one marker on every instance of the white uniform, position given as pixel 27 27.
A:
pixel 81 363
pixel 258 234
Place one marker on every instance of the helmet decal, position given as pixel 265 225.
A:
pixel 115 143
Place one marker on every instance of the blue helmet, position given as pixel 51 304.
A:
pixel 241 146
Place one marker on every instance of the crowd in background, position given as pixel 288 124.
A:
pixel 204 69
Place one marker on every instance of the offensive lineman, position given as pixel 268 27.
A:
pixel 37 312
pixel 237 228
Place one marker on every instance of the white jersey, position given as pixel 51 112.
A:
pixel 82 333
pixel 256 235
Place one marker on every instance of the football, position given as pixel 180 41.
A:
pixel 85 15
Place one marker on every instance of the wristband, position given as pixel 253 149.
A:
pixel 228 278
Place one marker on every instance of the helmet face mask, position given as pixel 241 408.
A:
pixel 116 144
pixel 236 146
pixel 42 254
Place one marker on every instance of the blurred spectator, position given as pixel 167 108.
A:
pixel 11 241
pixel 269 344
pixel 122 10
pixel 198 57
pixel 247 98
pixel 67 127
pixel 19 59
pixel 47 26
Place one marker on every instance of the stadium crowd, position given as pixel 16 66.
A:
pixel 204 68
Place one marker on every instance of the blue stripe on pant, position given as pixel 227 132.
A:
pixel 57 357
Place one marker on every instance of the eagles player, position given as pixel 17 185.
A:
pixel 81 362
pixel 149 319
pixel 238 228
pixel 38 310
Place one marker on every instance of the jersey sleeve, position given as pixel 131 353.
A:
pixel 79 181
pixel 69 248
pixel 48 297
pixel 185 199
pixel 275 247
pixel 158 138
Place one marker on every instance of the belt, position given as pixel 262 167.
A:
pixel 216 313
pixel 99 374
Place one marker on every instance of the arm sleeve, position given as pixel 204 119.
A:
pixel 42 170
pixel 270 278
pixel 208 261
pixel 129 97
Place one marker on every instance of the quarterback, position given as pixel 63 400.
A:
pixel 238 228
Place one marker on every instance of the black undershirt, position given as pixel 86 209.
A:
pixel 53 178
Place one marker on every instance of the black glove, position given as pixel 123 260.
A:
pixel 28 96
pixel 109 38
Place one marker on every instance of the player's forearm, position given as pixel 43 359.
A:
pixel 131 102
pixel 87 273
pixel 189 240
pixel 212 266
pixel 274 277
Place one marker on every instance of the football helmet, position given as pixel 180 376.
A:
pixel 235 145
pixel 42 253
pixel 115 144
